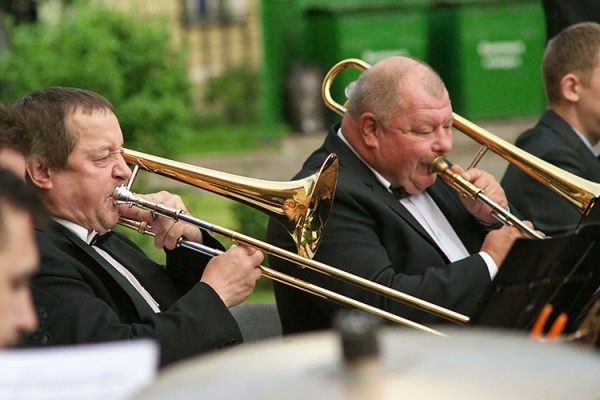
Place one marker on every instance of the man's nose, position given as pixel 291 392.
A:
pixel 122 170
pixel 443 143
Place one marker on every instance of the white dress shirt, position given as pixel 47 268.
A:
pixel 428 214
pixel 586 142
pixel 87 237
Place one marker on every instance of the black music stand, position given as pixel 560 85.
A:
pixel 561 271
pixel 591 216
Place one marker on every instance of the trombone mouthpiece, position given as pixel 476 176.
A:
pixel 438 165
pixel 122 195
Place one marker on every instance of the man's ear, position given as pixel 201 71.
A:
pixel 369 130
pixel 39 174
pixel 569 87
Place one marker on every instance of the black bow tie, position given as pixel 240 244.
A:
pixel 98 239
pixel 399 192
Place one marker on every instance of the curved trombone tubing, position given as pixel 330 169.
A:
pixel 330 77
pixel 301 206
pixel 122 195
pixel 581 193
pixel 289 280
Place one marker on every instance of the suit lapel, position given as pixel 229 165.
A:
pixel 363 179
pixel 468 229
pixel 140 304
pixel 553 122
pixel 399 209
pixel 152 277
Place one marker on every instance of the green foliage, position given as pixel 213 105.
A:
pixel 251 222
pixel 234 95
pixel 131 62
pixel 135 65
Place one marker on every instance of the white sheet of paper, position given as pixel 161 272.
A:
pixel 106 371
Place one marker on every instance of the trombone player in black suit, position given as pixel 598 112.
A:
pixel 93 286
pixel 391 221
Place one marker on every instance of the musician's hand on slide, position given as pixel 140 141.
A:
pixel 234 273
pixel 491 188
pixel 166 231
pixel 498 242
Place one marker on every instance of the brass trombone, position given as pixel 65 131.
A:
pixel 315 193
pixel 272 274
pixel 580 192
pixel 301 206
pixel 466 188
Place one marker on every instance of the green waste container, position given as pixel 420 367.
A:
pixel 368 31
pixel 489 54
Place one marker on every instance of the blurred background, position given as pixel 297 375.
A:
pixel 235 85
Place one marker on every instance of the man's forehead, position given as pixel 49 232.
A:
pixel 97 131
pixel 80 116
pixel 423 112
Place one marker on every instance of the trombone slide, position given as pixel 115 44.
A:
pixel 272 274
pixel 466 188
pixel 123 196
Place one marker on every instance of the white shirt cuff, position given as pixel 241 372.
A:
pixel 491 264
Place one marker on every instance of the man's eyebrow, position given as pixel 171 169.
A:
pixel 106 148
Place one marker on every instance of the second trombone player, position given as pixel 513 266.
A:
pixel 392 221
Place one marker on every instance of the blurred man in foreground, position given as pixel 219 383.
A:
pixel 18 257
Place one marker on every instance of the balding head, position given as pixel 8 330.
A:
pixel 380 88
pixel 398 120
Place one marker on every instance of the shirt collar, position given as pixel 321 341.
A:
pixel 586 142
pixel 78 230
pixel 386 184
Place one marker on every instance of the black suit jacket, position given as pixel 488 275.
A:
pixel 554 141
pixel 81 298
pixel 370 234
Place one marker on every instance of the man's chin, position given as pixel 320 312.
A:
pixel 424 184
pixel 111 225
pixel 111 221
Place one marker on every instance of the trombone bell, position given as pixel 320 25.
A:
pixel 301 206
